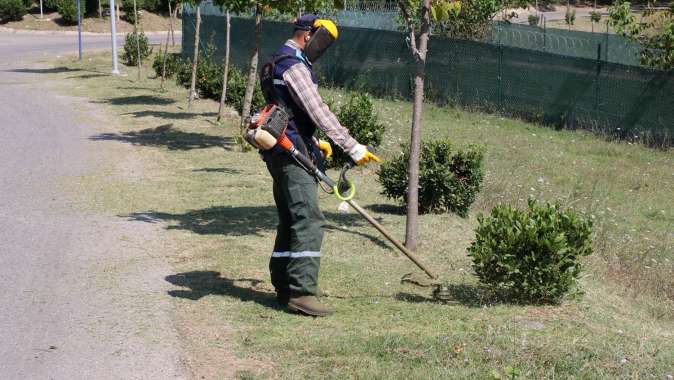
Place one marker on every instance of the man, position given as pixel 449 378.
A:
pixel 291 83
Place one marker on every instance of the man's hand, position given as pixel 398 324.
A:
pixel 361 155
pixel 326 148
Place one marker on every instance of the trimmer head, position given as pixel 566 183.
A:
pixel 441 291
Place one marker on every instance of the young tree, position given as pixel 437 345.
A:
pixel 252 69
pixel 195 57
pixel 135 31
pixel 453 19
pixel 168 34
pixel 225 67
pixel 419 49
pixel 654 31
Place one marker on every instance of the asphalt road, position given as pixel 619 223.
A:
pixel 82 294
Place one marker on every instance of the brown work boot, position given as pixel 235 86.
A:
pixel 309 305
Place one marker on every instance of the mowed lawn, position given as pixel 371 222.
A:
pixel 216 205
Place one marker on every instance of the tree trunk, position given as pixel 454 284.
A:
pixel 252 72
pixel 168 34
pixel 195 59
pixel 225 68
pixel 173 16
pixel 163 64
pixel 100 9
pixel 412 225
pixel 117 10
pixel 135 30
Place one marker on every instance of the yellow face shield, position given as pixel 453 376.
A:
pixel 325 33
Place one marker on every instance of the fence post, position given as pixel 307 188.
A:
pixel 606 45
pixel 500 75
pixel 545 33
pixel 596 80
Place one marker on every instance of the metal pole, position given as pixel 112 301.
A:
pixel 113 32
pixel 41 14
pixel 79 29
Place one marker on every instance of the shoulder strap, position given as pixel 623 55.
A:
pixel 267 81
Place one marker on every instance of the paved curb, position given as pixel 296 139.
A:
pixel 4 29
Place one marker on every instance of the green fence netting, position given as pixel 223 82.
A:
pixel 614 99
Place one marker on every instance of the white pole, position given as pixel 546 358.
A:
pixel 41 15
pixel 113 32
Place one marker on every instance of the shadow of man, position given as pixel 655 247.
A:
pixel 205 283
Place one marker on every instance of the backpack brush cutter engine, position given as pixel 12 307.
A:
pixel 268 131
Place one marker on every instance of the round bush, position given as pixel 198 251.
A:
pixel 359 117
pixel 595 16
pixel 130 48
pixel 68 11
pixel 50 5
pixel 533 20
pixel 173 64
pixel 532 255
pixel 127 9
pixel 447 181
pixel 12 10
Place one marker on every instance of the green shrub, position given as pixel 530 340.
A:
pixel 236 89
pixel 533 255
pixel 68 11
pixel 209 82
pixel 570 16
pixel 12 10
pixel 173 64
pixel 50 5
pixel 447 182
pixel 359 117
pixel 130 48
pixel 595 16
pixel 28 4
pixel 534 20
pixel 127 9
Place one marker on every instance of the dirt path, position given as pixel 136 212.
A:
pixel 83 295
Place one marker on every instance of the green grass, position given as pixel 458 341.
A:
pixel 218 210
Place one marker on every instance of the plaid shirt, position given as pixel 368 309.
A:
pixel 305 94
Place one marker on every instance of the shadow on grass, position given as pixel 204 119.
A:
pixel 138 100
pixel 88 76
pixel 387 209
pixel 170 115
pixel 166 136
pixel 239 221
pixel 204 283
pixel 52 70
pixel 217 170
pixel 470 295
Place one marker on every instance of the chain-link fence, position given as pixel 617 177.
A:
pixel 615 99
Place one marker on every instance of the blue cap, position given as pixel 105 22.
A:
pixel 306 22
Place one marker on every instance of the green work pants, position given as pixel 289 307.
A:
pixel 296 258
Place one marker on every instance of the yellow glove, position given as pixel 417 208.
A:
pixel 326 148
pixel 361 155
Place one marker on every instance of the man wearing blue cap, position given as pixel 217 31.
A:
pixel 288 81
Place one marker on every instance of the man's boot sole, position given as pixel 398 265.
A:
pixel 312 313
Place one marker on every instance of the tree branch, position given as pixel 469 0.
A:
pixel 410 29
